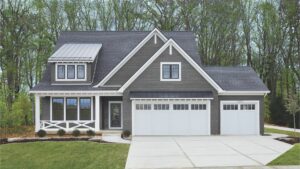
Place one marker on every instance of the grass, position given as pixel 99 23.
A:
pixel 63 155
pixel 290 133
pixel 291 157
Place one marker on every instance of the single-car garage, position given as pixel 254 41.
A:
pixel 171 117
pixel 239 117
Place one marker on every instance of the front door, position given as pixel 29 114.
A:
pixel 115 115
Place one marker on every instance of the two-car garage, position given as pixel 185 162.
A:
pixel 171 117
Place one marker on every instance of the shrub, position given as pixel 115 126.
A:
pixel 61 132
pixel 76 133
pixel 3 140
pixel 125 134
pixel 41 133
pixel 90 132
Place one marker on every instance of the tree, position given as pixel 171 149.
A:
pixel 293 107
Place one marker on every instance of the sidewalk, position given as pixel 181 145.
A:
pixel 281 128
pixel 255 167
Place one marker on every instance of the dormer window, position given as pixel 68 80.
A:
pixel 170 71
pixel 70 72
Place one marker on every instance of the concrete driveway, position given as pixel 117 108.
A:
pixel 206 151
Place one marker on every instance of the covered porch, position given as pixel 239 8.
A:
pixel 77 110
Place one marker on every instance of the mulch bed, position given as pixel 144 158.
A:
pixel 24 140
pixel 289 139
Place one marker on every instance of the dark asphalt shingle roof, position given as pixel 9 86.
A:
pixel 171 94
pixel 116 45
pixel 241 78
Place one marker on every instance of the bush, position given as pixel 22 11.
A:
pixel 90 132
pixel 76 133
pixel 61 132
pixel 41 133
pixel 125 134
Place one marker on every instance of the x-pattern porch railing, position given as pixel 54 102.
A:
pixel 67 125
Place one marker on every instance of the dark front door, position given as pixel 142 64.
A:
pixel 115 115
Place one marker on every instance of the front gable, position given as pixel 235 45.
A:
pixel 150 78
pixel 193 76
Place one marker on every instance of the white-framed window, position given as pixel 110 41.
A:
pixel 230 106
pixel 143 106
pixel 198 106
pixel 180 106
pixel 70 72
pixel 71 109
pixel 247 106
pixel 161 107
pixel 170 71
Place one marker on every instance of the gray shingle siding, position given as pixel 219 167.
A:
pixel 136 62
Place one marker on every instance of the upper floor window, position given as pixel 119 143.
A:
pixel 170 71
pixel 70 72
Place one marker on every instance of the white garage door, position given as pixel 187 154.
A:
pixel 239 117
pixel 163 117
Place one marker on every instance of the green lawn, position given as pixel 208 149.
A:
pixel 63 155
pixel 291 157
pixel 290 133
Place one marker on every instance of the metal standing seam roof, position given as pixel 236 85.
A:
pixel 72 52
pixel 171 94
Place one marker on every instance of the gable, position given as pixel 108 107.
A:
pixel 191 80
pixel 171 44
pixel 135 62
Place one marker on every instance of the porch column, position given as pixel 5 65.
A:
pixel 97 113
pixel 37 113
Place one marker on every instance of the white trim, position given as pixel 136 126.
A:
pixel 168 63
pixel 131 54
pixel 109 125
pixel 78 93
pixel 171 99
pixel 97 113
pixel 66 72
pixel 239 102
pixel 170 50
pixel 37 113
pixel 244 92
pixel 184 54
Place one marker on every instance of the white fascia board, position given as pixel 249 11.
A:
pixel 79 93
pixel 131 54
pixel 183 53
pixel 245 93
pixel 172 98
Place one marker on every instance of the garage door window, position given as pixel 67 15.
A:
pixel 161 107
pixel 247 106
pixel 198 106
pixel 143 106
pixel 230 107
pixel 180 106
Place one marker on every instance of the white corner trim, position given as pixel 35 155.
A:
pixel 183 53
pixel 245 93
pixel 161 71
pixel 154 33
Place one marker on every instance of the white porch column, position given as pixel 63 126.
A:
pixel 97 113
pixel 37 113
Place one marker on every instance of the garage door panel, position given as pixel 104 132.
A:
pixel 238 120
pixel 142 123
pixel 199 122
pixel 247 126
pixel 169 121
pixel 159 125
